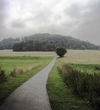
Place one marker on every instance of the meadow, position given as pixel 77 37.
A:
pixel 17 70
pixel 82 57
pixel 84 60
pixel 9 63
pixel 61 95
pixel 91 68
pixel 27 53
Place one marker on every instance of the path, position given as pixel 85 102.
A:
pixel 32 94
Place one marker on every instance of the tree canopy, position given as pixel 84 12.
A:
pixel 34 45
pixel 8 43
pixel 65 41
pixel 61 51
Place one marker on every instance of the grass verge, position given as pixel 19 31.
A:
pixel 60 96
pixel 91 68
pixel 12 83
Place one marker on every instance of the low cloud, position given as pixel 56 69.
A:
pixel 79 19
pixel 3 17
pixel 18 24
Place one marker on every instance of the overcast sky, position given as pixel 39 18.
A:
pixel 77 18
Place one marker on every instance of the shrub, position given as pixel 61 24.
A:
pixel 2 75
pixel 16 71
pixel 97 67
pixel 83 84
pixel 61 51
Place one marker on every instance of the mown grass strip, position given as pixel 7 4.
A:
pixel 12 83
pixel 24 57
pixel 60 96
pixel 91 68
pixel 9 63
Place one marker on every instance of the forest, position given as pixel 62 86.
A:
pixel 34 45
pixel 8 43
pixel 60 40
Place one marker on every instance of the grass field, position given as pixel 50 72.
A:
pixel 91 68
pixel 30 65
pixel 72 56
pixel 60 96
pixel 24 62
pixel 29 53
pixel 82 57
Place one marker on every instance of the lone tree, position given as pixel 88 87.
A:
pixel 61 51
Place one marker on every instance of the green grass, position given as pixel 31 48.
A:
pixel 12 83
pixel 60 96
pixel 8 63
pixel 86 67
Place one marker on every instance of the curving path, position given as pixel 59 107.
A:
pixel 32 94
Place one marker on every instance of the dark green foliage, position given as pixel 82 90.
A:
pixel 1 47
pixel 97 67
pixel 65 41
pixel 13 74
pixel 83 84
pixel 61 51
pixel 34 45
pixel 82 47
pixel 98 47
pixel 8 43
pixel 60 96
pixel 2 75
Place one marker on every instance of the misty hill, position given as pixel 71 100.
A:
pixel 66 41
pixel 8 43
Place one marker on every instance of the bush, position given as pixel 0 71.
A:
pixel 83 84
pixel 61 51
pixel 16 72
pixel 2 75
pixel 97 67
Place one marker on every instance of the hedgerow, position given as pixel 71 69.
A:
pixel 83 84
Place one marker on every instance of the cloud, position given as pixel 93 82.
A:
pixel 3 17
pixel 74 11
pixel 84 20
pixel 76 18
pixel 2 10
pixel 18 23
pixel 2 13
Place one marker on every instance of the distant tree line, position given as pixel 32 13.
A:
pixel 65 41
pixel 34 45
pixel 99 47
pixel 8 43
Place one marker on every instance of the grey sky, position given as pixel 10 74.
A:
pixel 76 18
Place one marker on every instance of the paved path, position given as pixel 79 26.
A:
pixel 32 94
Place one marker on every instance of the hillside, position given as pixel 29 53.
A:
pixel 8 43
pixel 66 41
pixel 34 45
